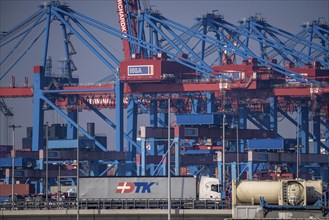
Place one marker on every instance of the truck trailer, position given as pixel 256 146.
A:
pixel 182 187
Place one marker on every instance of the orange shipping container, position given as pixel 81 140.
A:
pixel 183 171
pixel 19 189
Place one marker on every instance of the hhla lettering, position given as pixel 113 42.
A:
pixel 135 70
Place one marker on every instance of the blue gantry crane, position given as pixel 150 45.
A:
pixel 197 67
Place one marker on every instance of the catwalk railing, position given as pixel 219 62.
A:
pixel 116 204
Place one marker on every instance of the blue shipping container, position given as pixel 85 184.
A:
pixel 199 119
pixel 6 162
pixel 265 144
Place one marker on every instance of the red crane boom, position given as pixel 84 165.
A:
pixel 123 15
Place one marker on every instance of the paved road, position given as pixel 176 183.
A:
pixel 123 214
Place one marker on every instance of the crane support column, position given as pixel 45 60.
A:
pixel 234 172
pixel 132 133
pixel 163 116
pixel 204 30
pixel 67 62
pixel 143 157
pixel 250 165
pixel 153 123
pixel 303 129
pixel 243 111
pixel 38 113
pixel 162 122
pixel 119 116
pixel 119 119
pixel 177 156
pixel 94 171
pixel 71 130
pixel 210 103
pixel 164 165
pixel 273 115
pixel 154 113
pixel 316 130
pixel 326 142
pixel 324 171
pixel 39 73
pixel 138 165
pixel 195 103
pixel 220 167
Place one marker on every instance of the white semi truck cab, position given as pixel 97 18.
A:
pixel 209 188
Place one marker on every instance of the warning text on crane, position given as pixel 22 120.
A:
pixel 140 70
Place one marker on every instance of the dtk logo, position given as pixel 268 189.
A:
pixel 137 187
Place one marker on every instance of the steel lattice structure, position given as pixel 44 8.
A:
pixel 210 52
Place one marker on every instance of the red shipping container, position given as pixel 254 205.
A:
pixel 19 189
